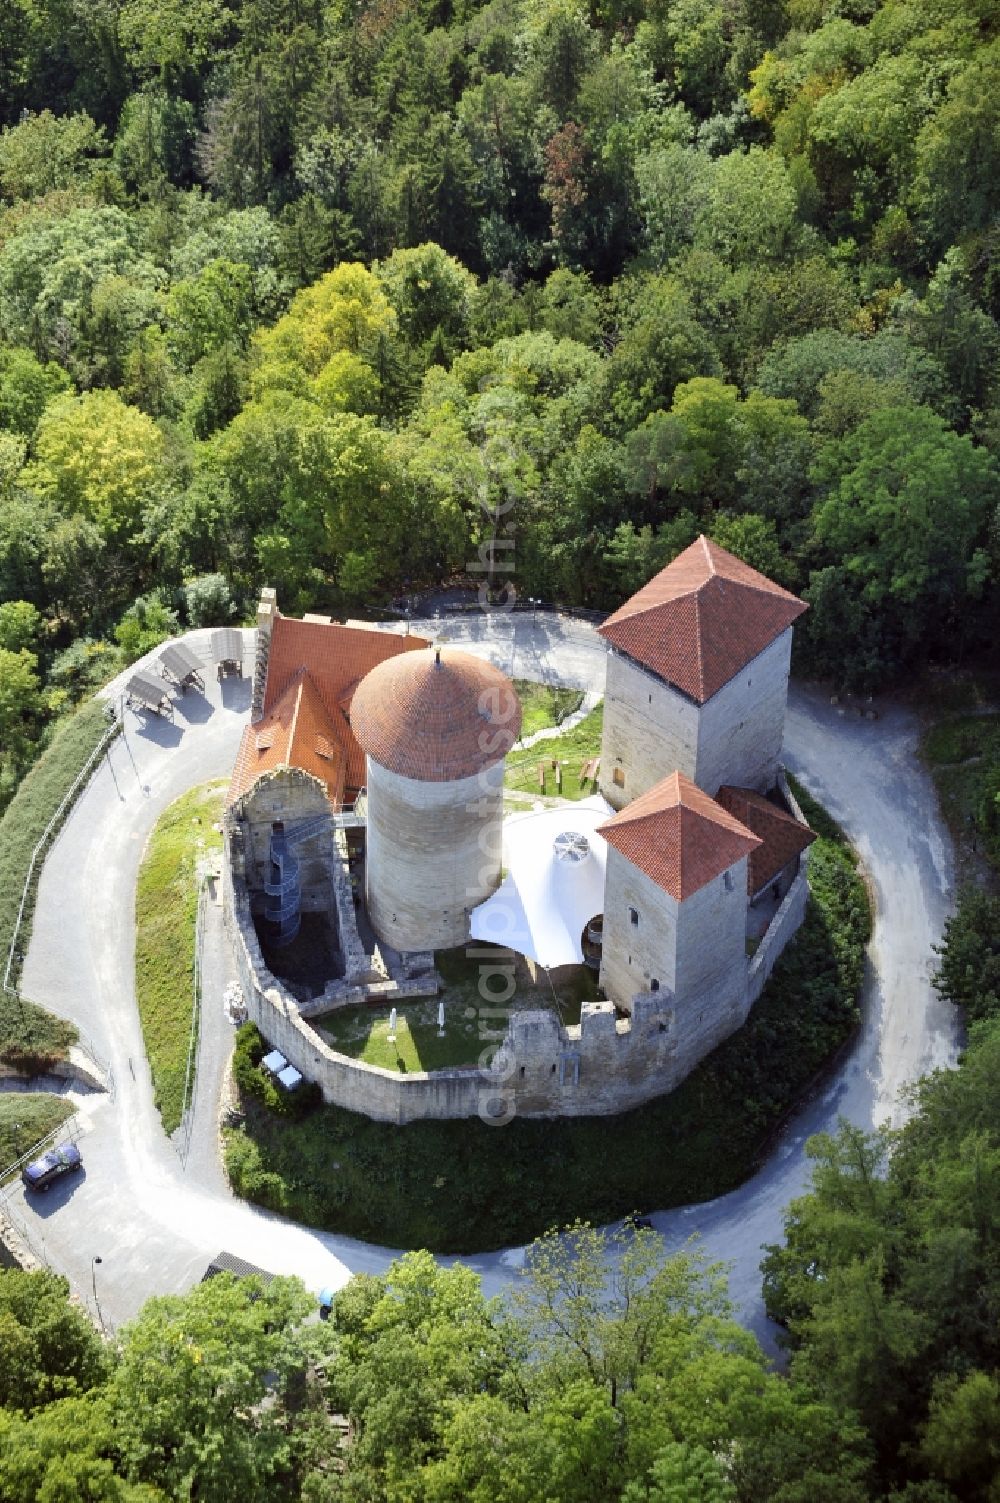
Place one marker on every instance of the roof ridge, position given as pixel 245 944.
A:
pixel 698 641
pixel 706 548
pixel 295 714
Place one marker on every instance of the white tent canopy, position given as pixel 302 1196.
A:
pixel 554 885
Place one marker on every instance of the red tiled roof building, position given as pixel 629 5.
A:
pixel 307 673
pixel 675 905
pixel 697 677
pixel 782 837
pixel 679 837
pixel 436 727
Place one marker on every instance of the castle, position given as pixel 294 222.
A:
pixel 374 765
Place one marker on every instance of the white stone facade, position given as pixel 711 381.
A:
pixel 692 952
pixel 433 854
pixel 652 729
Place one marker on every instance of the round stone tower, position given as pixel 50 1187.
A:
pixel 435 728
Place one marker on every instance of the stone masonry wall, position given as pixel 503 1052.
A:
pixel 433 853
pixel 296 797
pixel 634 955
pixel 786 921
pixel 790 914
pixel 687 947
pixel 602 1066
pixel 742 726
pixel 650 731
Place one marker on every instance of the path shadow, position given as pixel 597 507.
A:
pixel 236 694
pixel 194 707
pixel 155 728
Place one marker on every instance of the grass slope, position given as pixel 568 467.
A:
pixel 544 705
pixel 572 748
pixel 463 1187
pixel 26 1119
pixel 30 1037
pixel 166 907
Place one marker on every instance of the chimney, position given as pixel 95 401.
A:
pixel 267 614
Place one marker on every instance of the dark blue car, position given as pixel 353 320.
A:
pixel 52 1166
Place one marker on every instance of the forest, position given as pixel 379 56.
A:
pixel 354 299
pixel 361 297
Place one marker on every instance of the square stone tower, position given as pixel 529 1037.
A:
pixel 675 910
pixel 697 677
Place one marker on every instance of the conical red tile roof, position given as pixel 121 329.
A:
pixel 436 716
pixel 702 619
pixel 678 836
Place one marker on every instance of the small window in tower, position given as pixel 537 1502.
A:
pixel 727 878
pixel 651 699
pixel 654 984
pixel 633 917
pixel 618 776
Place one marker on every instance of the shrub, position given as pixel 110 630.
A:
pixel 145 624
pixel 969 974
pixel 208 600
pixel 253 1081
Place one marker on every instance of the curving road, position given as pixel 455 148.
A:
pixel 155 1224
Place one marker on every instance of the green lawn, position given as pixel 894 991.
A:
pixel 166 907
pixel 544 705
pixel 573 749
pixel 30 1037
pixel 363 1032
pixel 26 1119
pixel 464 1187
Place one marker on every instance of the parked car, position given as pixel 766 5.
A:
pixel 52 1166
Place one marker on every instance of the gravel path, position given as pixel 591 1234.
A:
pixel 156 1224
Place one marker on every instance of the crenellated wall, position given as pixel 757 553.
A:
pixel 602 1066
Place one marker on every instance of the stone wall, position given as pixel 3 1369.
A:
pixel 602 1066
pixel 782 927
pixel 267 612
pixel 652 729
pixel 742 726
pixel 433 853
pixel 687 947
pixel 695 951
pixel 297 798
pixel 636 955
